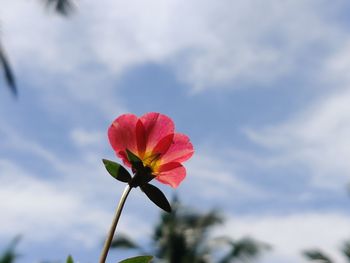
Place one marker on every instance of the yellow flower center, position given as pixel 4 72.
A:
pixel 152 161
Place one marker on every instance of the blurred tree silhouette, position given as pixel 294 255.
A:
pixel 182 236
pixel 317 255
pixel 63 7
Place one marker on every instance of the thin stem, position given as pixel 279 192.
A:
pixel 118 212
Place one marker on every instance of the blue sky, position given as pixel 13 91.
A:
pixel 261 88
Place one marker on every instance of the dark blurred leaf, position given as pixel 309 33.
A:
pixel 63 7
pixel 117 171
pixel 123 242
pixel 248 247
pixel 317 255
pixel 140 259
pixel 142 177
pixel 69 259
pixel 156 196
pixel 10 255
pixel 9 76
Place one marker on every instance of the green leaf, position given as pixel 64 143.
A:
pixel 156 196
pixel 132 157
pixel 135 161
pixel 142 177
pixel 139 259
pixel 69 259
pixel 117 171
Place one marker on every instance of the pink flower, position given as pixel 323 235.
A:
pixel 152 138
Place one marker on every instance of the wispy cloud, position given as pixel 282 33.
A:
pixel 214 44
pixel 291 234
pixel 316 138
pixel 35 208
pixel 218 181
pixel 62 199
pixel 84 138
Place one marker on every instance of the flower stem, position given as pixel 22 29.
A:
pixel 118 212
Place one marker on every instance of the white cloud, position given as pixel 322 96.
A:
pixel 62 198
pixel 83 138
pixel 13 140
pixel 41 210
pixel 209 43
pixel 250 43
pixel 213 44
pixel 217 180
pixel 337 66
pixel 77 209
pixel 53 55
pixel 316 138
pixel 289 235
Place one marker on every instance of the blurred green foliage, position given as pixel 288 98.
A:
pixel 317 255
pixel 69 259
pixel 185 236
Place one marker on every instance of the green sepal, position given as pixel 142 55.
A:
pixel 135 161
pixel 141 177
pixel 139 259
pixel 69 259
pixel 156 196
pixel 117 171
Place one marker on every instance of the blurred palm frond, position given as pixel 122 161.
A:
pixel 244 250
pixel 63 7
pixel 122 241
pixel 8 73
pixel 317 255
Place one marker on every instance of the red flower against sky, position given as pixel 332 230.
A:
pixel 152 138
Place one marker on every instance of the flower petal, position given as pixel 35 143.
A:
pixel 163 145
pixel 171 174
pixel 122 135
pixel 157 126
pixel 179 151
pixel 141 139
